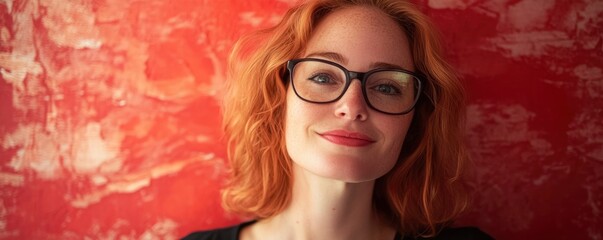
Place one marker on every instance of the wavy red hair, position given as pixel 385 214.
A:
pixel 422 193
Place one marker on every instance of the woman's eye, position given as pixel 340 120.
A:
pixel 387 89
pixel 321 78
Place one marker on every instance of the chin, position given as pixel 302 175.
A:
pixel 347 169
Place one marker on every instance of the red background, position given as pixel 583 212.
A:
pixel 109 115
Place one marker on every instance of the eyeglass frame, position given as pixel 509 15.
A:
pixel 360 76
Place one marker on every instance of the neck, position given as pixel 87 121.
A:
pixel 323 208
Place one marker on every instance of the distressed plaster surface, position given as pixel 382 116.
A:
pixel 110 125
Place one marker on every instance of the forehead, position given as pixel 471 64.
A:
pixel 362 35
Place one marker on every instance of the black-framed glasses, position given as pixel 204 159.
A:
pixel 390 91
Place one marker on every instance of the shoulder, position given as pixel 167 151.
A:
pixel 464 233
pixel 460 233
pixel 227 233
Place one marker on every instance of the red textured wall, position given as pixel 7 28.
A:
pixel 109 115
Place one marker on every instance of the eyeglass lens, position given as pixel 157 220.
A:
pixel 387 91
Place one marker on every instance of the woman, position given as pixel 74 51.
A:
pixel 316 154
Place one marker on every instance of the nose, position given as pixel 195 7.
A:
pixel 352 105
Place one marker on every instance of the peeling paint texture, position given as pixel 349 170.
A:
pixel 110 120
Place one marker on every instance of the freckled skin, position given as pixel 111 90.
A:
pixel 362 37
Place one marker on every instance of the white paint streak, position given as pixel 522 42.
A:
pixel 5 232
pixel 592 201
pixel 586 72
pixel 449 4
pixel 87 43
pixel 218 79
pixel 15 67
pixel 23 42
pixel 597 153
pixel 40 150
pixel 115 231
pixel 539 181
pixel 173 24
pixel 11 179
pixel 128 186
pixel 71 25
pixel 586 135
pixel 493 128
pixel 591 81
pixel 586 129
pixel 163 229
pixel 37 150
pixel 93 153
pixel 111 10
pixel 529 14
pixel 251 18
pixel 99 180
pixel 583 20
pixel 589 17
pixel 9 5
pixel 499 120
pixel 3 214
pixel 2 225
pixel 532 44
pixel 541 146
pixel 4 34
pixel 134 181
pixel 594 233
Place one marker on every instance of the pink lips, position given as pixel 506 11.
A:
pixel 346 138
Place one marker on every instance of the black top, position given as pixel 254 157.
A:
pixel 232 233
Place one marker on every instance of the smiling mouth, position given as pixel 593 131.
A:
pixel 345 138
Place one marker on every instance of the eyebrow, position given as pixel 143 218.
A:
pixel 333 56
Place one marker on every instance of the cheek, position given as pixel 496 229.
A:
pixel 299 113
pixel 301 117
pixel 293 114
pixel 296 123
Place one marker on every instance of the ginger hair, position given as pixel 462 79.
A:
pixel 424 191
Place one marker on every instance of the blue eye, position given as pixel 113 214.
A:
pixel 387 89
pixel 322 78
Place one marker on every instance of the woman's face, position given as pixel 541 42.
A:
pixel 347 140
